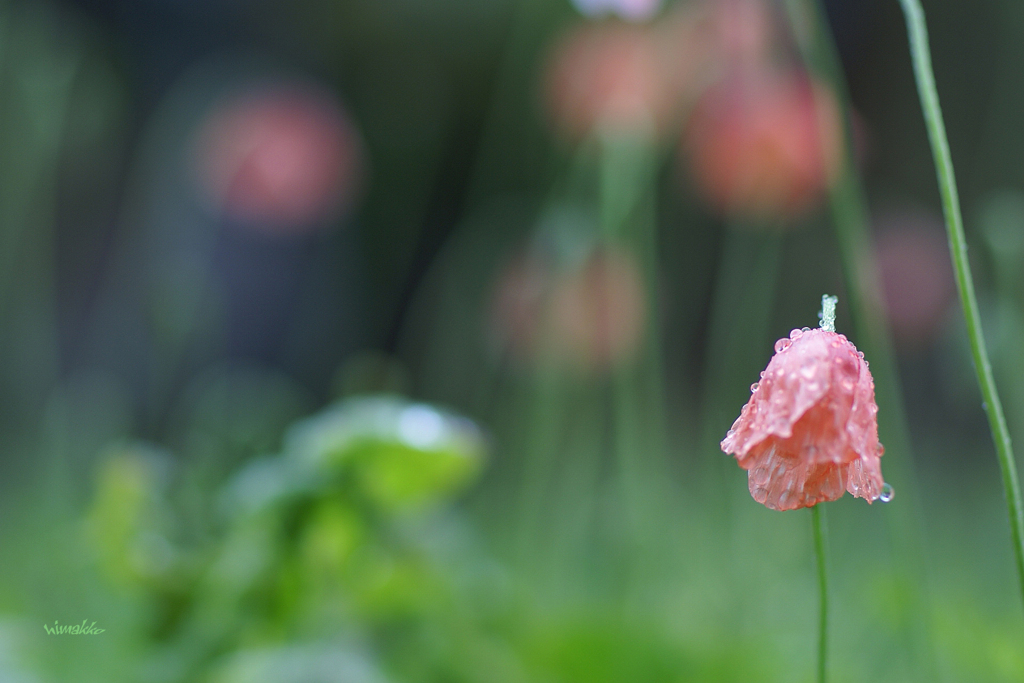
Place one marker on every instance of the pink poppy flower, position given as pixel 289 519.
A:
pixel 810 430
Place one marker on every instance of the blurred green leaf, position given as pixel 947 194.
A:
pixel 298 664
pixel 129 516
pixel 402 453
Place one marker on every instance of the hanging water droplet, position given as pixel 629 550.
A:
pixel 753 387
pixel 887 493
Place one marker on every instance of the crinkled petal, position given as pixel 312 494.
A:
pixel 809 431
pixel 797 377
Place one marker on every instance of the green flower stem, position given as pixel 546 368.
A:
pixel 818 522
pixel 925 78
pixel 626 172
pixel 742 300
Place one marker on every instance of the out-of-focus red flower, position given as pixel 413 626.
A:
pixel 588 317
pixel 283 159
pixel 810 431
pixel 917 276
pixel 764 145
pixel 606 75
pixel 700 42
pixel 598 312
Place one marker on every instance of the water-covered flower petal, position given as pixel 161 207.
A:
pixel 810 431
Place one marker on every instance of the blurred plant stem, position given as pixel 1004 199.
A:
pixel 820 548
pixel 628 164
pixel 738 344
pixel 625 175
pixel 741 307
pixel 925 78
pixel 545 416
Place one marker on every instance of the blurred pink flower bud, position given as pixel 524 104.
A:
pixel 589 317
pixel 283 159
pixel 518 303
pixel 598 312
pixel 699 42
pixel 917 276
pixel 810 431
pixel 764 145
pixel 606 75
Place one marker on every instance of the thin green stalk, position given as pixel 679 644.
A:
pixel 547 402
pixel 925 78
pixel 625 174
pixel 818 522
pixel 742 302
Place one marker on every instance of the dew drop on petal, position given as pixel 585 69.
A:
pixel 887 493
pixel 782 345
pixel 805 329
pixel 795 333
pixel 753 387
